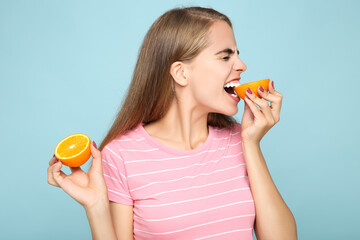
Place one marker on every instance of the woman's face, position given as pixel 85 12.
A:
pixel 214 67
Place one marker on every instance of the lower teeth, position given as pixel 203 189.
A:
pixel 234 95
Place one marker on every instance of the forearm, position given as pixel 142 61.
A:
pixel 274 219
pixel 101 222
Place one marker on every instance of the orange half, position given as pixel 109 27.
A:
pixel 241 89
pixel 74 150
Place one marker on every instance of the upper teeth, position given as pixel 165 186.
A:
pixel 232 84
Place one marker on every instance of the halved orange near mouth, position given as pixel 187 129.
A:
pixel 241 89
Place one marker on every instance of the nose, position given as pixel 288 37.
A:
pixel 239 65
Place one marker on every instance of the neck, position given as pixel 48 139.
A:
pixel 183 127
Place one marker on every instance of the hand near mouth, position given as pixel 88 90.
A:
pixel 257 122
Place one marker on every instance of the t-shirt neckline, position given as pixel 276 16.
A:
pixel 163 147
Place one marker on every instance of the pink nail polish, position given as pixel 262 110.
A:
pixel 272 83
pixel 249 91
pixel 94 144
pixel 261 89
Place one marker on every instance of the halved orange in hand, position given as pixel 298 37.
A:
pixel 241 89
pixel 74 150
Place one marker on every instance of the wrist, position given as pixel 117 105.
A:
pixel 98 208
pixel 250 143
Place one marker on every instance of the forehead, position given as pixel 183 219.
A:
pixel 221 36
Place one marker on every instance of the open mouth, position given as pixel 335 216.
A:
pixel 229 88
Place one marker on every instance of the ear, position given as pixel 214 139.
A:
pixel 178 72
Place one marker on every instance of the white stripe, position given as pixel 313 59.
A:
pixel 234 144
pixel 115 168
pixel 114 165
pixel 175 169
pixel 220 138
pixel 123 176
pixel 112 178
pixel 232 134
pixel 238 230
pixel 136 150
pixel 164 159
pixel 187 214
pixel 194 199
pixel 109 163
pixel 113 152
pixel 233 155
pixel 178 179
pixel 195 226
pixel 130 139
pixel 119 193
pixel 181 189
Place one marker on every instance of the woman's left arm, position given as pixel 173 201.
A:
pixel 274 219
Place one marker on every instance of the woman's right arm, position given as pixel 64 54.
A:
pixel 122 216
pixel 110 220
pixel 107 220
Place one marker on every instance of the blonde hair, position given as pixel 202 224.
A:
pixel 178 35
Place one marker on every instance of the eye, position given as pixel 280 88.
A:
pixel 226 58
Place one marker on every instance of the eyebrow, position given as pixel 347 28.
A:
pixel 228 51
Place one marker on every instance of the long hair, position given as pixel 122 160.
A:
pixel 178 35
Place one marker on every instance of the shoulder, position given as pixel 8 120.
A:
pixel 130 138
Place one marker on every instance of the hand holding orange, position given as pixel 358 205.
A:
pixel 74 150
pixel 241 89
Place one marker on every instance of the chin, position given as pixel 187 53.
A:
pixel 231 111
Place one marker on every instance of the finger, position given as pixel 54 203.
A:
pixel 254 109
pixel 267 95
pixel 50 172
pixel 272 88
pixel 57 174
pixel 50 177
pixel 264 106
pixel 275 101
pixel 276 104
pixel 52 160
pixel 96 162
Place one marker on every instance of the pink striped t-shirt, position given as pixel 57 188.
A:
pixel 176 194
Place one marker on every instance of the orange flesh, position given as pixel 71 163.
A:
pixel 71 147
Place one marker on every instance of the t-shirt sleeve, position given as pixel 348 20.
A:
pixel 115 176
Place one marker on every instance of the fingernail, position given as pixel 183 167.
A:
pixel 272 83
pixel 247 97
pixel 54 155
pixel 249 91
pixel 94 144
pixel 261 89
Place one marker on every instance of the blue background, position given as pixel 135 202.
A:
pixel 66 65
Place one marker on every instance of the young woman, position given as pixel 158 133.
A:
pixel 175 164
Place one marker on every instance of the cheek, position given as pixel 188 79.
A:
pixel 208 80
